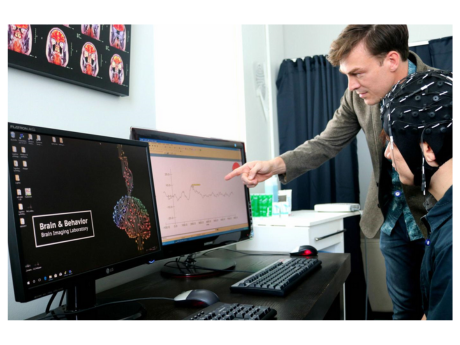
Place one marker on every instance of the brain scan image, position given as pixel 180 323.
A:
pixel 118 36
pixel 20 38
pixel 57 49
pixel 88 60
pixel 129 214
pixel 92 30
pixel 116 70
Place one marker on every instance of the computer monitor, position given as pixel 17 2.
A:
pixel 81 207
pixel 197 209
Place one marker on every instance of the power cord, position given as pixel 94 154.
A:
pixel 237 251
pixel 62 297
pixel 191 265
pixel 47 310
pixel 53 315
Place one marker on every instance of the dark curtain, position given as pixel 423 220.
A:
pixel 437 53
pixel 309 92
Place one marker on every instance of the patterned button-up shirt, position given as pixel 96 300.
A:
pixel 398 203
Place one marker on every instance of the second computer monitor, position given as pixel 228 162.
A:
pixel 197 208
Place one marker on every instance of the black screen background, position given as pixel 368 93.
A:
pixel 76 176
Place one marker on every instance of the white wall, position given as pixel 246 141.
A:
pixel 198 80
pixel 40 101
pixel 262 44
pixel 258 125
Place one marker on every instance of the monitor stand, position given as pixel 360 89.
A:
pixel 191 267
pixel 83 296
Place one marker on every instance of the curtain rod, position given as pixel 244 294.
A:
pixel 420 43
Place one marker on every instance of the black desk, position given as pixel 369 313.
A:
pixel 315 298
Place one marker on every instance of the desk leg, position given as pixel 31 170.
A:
pixel 337 308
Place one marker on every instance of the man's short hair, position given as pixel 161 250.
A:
pixel 379 41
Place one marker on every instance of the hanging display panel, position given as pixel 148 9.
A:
pixel 90 55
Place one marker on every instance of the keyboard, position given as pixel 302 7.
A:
pixel 277 278
pixel 235 311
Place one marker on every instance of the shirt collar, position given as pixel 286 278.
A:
pixel 412 68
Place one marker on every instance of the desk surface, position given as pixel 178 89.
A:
pixel 310 299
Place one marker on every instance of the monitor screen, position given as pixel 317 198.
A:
pixel 82 208
pixel 197 208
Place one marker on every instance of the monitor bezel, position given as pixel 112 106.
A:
pixel 203 244
pixel 22 292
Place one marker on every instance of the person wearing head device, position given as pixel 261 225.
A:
pixel 417 123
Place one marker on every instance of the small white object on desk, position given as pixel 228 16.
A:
pixel 337 207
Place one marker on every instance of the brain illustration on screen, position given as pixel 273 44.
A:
pixel 129 214
pixel 92 30
pixel 20 38
pixel 118 36
pixel 88 60
pixel 57 50
pixel 116 70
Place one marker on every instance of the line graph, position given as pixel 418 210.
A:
pixel 192 195
pixel 192 188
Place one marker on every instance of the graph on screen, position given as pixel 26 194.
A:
pixel 192 196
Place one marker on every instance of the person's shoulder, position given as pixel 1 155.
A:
pixel 421 66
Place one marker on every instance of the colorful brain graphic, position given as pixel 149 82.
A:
pixel 129 214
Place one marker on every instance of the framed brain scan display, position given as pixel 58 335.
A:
pixel 96 56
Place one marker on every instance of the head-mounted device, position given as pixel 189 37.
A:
pixel 419 109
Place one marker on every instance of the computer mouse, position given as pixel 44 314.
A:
pixel 304 251
pixel 196 298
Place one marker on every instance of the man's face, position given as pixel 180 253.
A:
pixel 399 163
pixel 368 76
